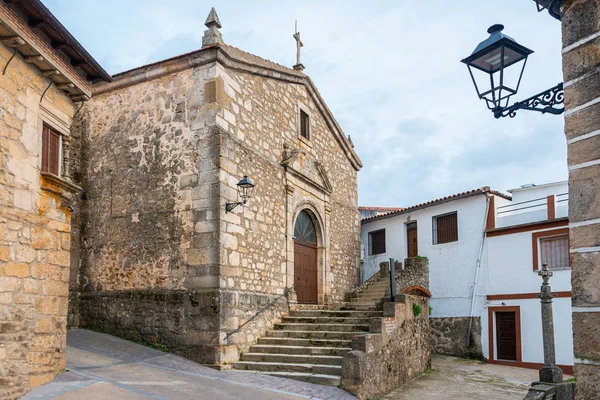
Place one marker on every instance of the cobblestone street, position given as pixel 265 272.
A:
pixel 101 366
pixel 457 378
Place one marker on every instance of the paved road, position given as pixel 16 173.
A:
pixel 104 367
pixel 459 379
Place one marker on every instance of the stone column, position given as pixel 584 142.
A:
pixel 581 71
pixel 549 373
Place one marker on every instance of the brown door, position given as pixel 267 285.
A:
pixel 305 259
pixel 506 335
pixel 411 238
pixel 305 273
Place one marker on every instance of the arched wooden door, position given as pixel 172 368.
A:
pixel 305 259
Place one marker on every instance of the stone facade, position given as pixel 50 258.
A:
pixel 449 336
pixel 581 62
pixel 395 351
pixel 36 209
pixel 166 144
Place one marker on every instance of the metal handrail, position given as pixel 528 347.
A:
pixel 259 312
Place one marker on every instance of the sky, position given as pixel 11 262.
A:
pixel 390 72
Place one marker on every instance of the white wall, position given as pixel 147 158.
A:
pixel 451 265
pixel 531 329
pixel 511 271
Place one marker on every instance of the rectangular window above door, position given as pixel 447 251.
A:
pixel 304 125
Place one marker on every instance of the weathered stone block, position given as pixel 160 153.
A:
pixel 61 258
pixel 588 385
pixel 584 150
pixel 45 271
pixel 586 328
pixel 584 194
pixel 581 19
pixel 581 60
pixel 20 270
pixel 582 122
pixel 585 277
pixel 585 236
pixel 42 238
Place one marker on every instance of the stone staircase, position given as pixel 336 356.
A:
pixel 310 343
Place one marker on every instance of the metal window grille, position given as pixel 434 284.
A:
pixel 445 228
pixel 377 242
pixel 50 150
pixel 304 125
pixel 555 251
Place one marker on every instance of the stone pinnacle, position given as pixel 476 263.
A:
pixel 212 19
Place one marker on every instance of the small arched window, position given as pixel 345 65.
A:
pixel 304 229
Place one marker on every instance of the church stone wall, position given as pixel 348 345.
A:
pixel 35 230
pixel 150 245
pixel 259 123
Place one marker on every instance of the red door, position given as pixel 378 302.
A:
pixel 305 259
pixel 506 335
pixel 411 240
pixel 305 273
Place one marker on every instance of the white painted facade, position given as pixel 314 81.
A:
pixel 506 261
pixel 511 271
pixel 451 265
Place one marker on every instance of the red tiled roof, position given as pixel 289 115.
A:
pixel 381 209
pixel 457 196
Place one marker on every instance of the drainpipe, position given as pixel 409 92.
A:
pixel 478 268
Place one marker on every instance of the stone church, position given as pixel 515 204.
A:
pixel 115 193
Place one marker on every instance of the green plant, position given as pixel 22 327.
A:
pixel 417 310
pixel 571 380
pixel 430 310
pixel 419 257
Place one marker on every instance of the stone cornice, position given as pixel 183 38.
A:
pixel 221 55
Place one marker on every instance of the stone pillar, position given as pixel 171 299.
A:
pixel 549 373
pixel 581 71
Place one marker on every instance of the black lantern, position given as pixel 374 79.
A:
pixel 491 57
pixel 245 190
pixel 553 7
pixel 488 66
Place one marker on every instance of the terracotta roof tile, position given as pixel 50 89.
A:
pixel 456 196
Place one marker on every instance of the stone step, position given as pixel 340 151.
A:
pixel 305 342
pixel 308 350
pixel 293 359
pixel 312 334
pixel 322 327
pixel 319 379
pixel 362 306
pixel 368 299
pixel 277 367
pixel 337 313
pixel 327 320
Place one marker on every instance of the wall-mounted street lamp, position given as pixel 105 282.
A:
pixel 245 190
pixel 553 7
pixel 489 61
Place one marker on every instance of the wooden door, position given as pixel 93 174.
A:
pixel 305 273
pixel 412 244
pixel 305 259
pixel 506 335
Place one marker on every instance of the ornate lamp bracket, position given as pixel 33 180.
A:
pixel 229 207
pixel 550 101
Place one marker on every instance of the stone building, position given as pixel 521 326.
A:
pixel 44 76
pixel 581 72
pixel 113 195
pixel 162 260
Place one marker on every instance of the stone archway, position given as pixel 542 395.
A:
pixel 319 245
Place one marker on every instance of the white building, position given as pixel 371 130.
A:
pixel 488 229
pixel 530 230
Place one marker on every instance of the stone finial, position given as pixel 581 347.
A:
pixel 212 34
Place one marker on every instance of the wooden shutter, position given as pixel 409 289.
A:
pixel 377 239
pixel 555 251
pixel 304 124
pixel 445 228
pixel 50 150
